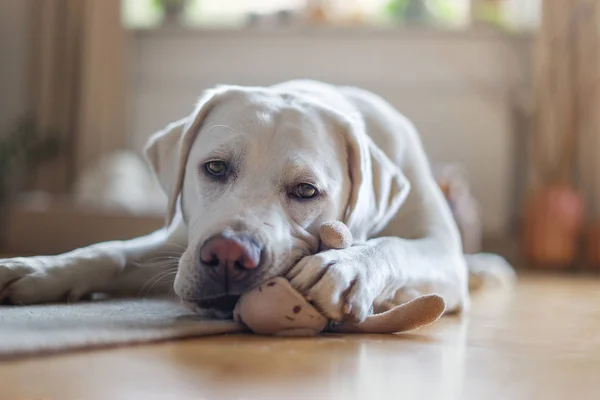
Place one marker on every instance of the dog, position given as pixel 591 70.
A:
pixel 250 176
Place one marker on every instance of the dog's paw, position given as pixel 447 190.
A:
pixel 340 283
pixel 32 280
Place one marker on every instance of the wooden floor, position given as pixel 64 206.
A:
pixel 540 342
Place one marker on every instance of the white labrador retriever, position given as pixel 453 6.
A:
pixel 251 174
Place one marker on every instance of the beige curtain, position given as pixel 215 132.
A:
pixel 78 82
pixel 588 103
pixel 567 97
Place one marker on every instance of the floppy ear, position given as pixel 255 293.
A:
pixel 162 152
pixel 378 185
pixel 167 150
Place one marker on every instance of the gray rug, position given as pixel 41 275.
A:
pixel 44 329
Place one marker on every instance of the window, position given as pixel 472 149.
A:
pixel 510 14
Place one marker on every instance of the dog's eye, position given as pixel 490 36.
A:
pixel 305 191
pixel 216 168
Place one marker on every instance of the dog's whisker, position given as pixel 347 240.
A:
pixel 172 266
pixel 164 253
pixel 159 276
pixel 174 263
pixel 156 279
pixel 156 282
pixel 169 254
pixel 162 259
pixel 176 252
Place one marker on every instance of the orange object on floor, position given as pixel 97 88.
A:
pixel 552 227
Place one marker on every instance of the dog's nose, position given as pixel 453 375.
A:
pixel 231 255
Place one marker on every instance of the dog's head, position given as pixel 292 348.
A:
pixel 254 172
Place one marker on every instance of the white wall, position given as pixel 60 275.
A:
pixel 456 87
pixel 14 53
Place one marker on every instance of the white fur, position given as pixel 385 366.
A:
pixel 366 156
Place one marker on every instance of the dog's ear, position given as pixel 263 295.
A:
pixel 378 185
pixel 167 151
pixel 162 152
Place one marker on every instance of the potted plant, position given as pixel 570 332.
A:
pixel 173 9
pixel 22 150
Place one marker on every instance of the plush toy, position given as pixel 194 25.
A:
pixel 276 308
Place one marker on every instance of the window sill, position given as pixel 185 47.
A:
pixel 395 32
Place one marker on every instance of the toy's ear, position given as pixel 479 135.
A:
pixel 378 186
pixel 167 150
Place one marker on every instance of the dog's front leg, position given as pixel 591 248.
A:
pixel 348 282
pixel 128 267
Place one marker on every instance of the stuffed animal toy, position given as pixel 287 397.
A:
pixel 276 308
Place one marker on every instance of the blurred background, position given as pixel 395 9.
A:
pixel 505 93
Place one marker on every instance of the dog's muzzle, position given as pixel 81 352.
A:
pixel 231 260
